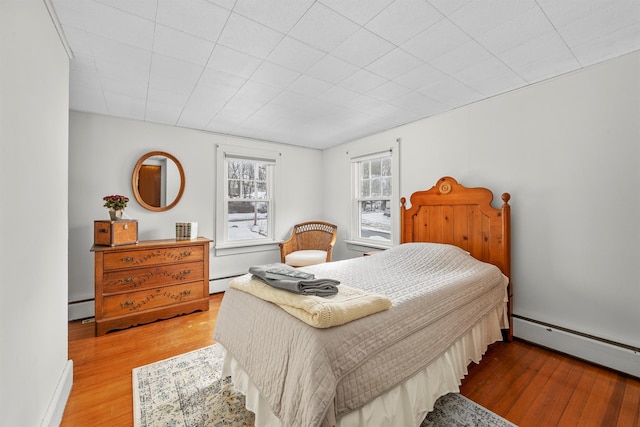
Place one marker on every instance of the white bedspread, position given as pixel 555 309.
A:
pixel 310 377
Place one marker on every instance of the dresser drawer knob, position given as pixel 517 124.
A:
pixel 128 259
pixel 126 280
pixel 186 253
pixel 185 272
pixel 127 303
pixel 185 293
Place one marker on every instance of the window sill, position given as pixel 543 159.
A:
pixel 246 247
pixel 356 245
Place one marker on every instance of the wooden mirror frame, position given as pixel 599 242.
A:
pixel 136 176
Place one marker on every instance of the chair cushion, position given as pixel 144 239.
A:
pixel 303 258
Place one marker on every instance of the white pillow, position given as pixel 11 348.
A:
pixel 304 258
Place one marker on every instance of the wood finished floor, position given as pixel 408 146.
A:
pixel 526 384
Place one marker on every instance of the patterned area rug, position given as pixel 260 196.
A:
pixel 187 390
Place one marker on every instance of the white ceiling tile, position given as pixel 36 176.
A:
pixel 125 87
pixel 309 86
pixel 403 20
pixel 360 11
pixel 196 17
pixel 123 27
pixel 540 58
pixel 388 91
pixel 210 97
pixel 170 97
pixel 107 22
pixel 249 37
pixel 238 109
pixel 79 40
pixel 476 18
pixel 203 104
pixel 601 22
pixel 180 45
pixel 543 67
pixel 128 64
pixel 222 123
pixel 233 62
pixel 213 78
pixel 164 113
pixel 339 95
pixel 436 40
pixel 295 55
pixel 462 57
pixel 290 99
pixel 450 91
pixel 363 81
pixel 143 8
pixel 362 48
pixel 274 75
pixel 110 51
pixel 260 93
pixel 607 47
pixel 233 66
pixel 490 77
pixel 420 76
pixel 280 15
pixel 317 108
pixel 446 7
pixel 562 13
pixel 364 103
pixel 331 69
pixel 265 116
pixel 227 4
pixel 515 32
pixel 323 28
pixel 394 64
pixel 419 103
pixel 173 75
pixel 125 105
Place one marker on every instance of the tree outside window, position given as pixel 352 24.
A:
pixel 374 192
pixel 248 198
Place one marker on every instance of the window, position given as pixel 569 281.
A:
pixel 247 203
pixel 373 200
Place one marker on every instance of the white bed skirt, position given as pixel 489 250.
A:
pixel 407 403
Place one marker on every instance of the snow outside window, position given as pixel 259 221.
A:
pixel 245 207
pixel 372 198
pixel 248 200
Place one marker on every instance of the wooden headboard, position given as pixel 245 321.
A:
pixel 453 214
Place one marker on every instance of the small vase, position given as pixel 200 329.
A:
pixel 116 215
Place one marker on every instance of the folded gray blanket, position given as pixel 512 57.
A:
pixel 317 287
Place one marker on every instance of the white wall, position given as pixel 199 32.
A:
pixel 568 152
pixel 103 153
pixel 35 375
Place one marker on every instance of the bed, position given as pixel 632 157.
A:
pixel 450 297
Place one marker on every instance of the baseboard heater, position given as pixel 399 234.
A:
pixel 618 356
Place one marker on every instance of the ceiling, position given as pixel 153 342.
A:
pixel 320 73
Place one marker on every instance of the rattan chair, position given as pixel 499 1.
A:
pixel 310 243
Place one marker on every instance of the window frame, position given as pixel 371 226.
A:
pixel 356 160
pixel 224 245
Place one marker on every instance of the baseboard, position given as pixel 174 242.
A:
pixel 81 310
pixel 55 411
pixel 601 352
pixel 219 285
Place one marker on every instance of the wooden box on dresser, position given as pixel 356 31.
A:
pixel 149 280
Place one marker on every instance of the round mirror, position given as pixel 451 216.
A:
pixel 158 181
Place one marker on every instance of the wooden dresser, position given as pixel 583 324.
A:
pixel 150 280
